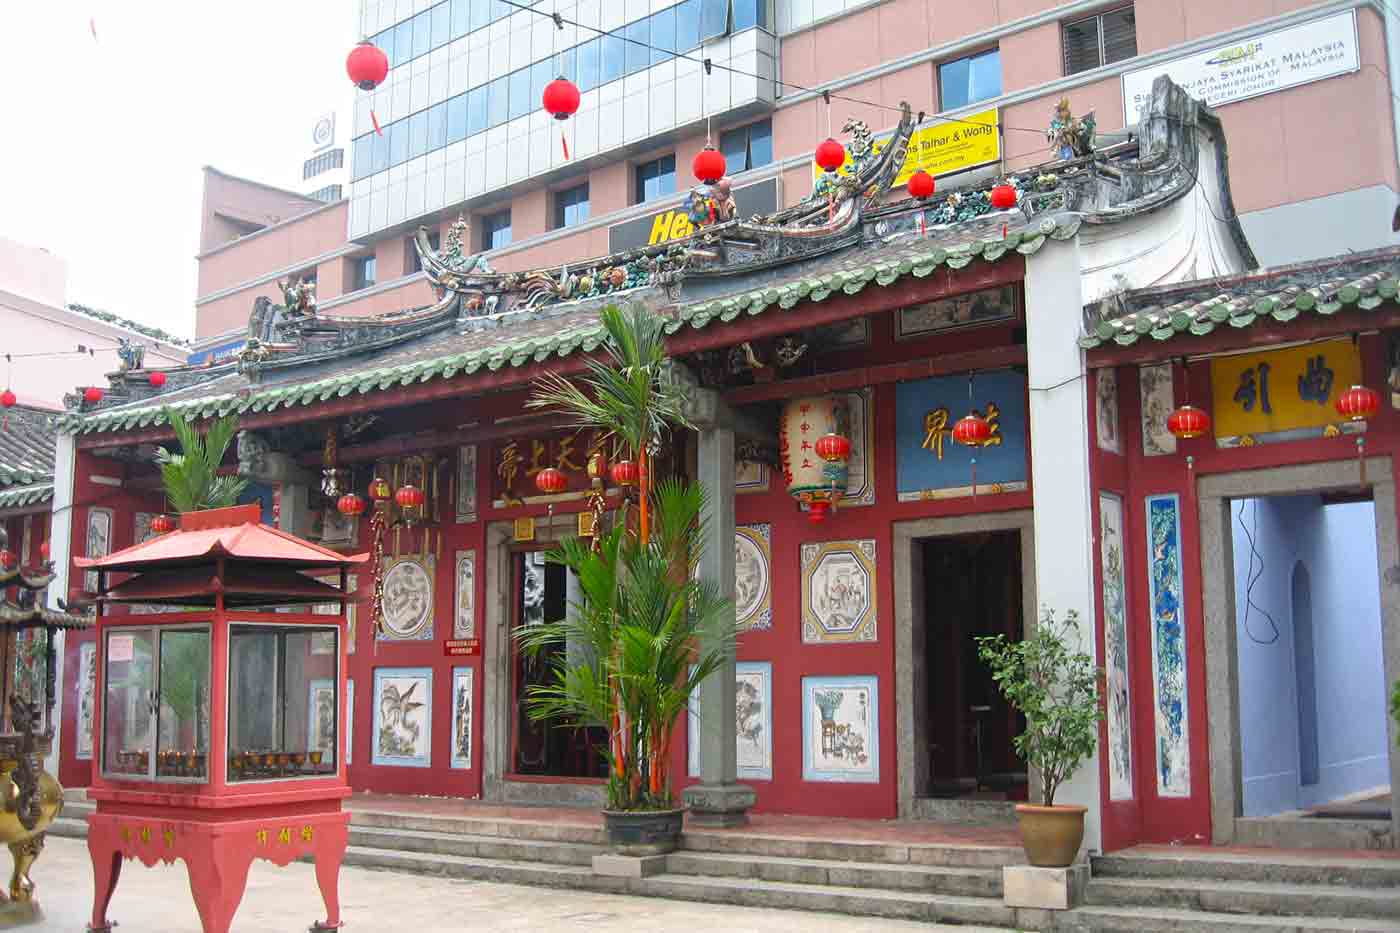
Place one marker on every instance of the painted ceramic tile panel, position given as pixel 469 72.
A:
pixel 338 530
pixel 99 542
pixel 349 720
pixel 1106 410
pixel 464 621
pixel 321 714
pixel 408 599
pixel 1115 637
pixel 403 716
pixel 1168 645
pixel 753 722
pixel 87 698
pixel 462 717
pixel 1158 401
pixel 750 476
pixel 931 465
pixel 26 531
pixel 466 484
pixel 840 729
pixel 838 592
pixel 860 468
pixel 753 579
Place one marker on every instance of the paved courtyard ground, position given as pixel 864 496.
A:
pixel 285 900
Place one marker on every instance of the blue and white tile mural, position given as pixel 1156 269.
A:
pixel 1168 644
pixel 1115 638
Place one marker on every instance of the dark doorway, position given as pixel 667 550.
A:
pixel 972 587
pixel 543 593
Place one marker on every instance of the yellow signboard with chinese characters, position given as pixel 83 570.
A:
pixel 944 148
pixel 1288 393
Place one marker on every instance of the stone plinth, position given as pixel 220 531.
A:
pixel 1044 888
pixel 629 866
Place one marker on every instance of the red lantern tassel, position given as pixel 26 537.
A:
pixel 375 120
pixel 563 141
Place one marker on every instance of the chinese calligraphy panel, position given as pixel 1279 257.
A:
pixel 1281 394
pixel 930 464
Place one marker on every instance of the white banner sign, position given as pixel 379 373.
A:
pixel 1271 61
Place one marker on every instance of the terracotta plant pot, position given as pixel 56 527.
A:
pixel 643 832
pixel 1051 836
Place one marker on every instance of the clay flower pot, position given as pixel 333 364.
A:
pixel 1051 836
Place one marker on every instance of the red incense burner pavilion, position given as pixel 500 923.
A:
pixel 221 701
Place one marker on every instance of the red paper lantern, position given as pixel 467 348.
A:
pixel 409 497
pixel 1003 197
pixel 625 473
pixel 350 504
pixel 818 512
pixel 7 559
pixel 551 481
pixel 8 399
pixel 1187 422
pixel 1358 403
pixel 367 66
pixel 972 430
pixel 379 489
pixel 831 155
pixel 561 98
pixel 833 448
pixel 921 185
pixel 44 552
pixel 157 379
pixel 162 524
pixel 709 165
pixel 92 394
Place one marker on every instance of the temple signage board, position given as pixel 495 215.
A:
pixel 946 148
pixel 761 197
pixel 931 465
pixel 1282 394
pixel 1260 64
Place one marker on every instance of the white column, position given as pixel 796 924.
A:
pixel 61 553
pixel 1060 439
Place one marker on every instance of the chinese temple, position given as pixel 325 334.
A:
pixel 1008 364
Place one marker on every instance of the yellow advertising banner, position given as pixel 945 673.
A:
pixel 1278 391
pixel 944 148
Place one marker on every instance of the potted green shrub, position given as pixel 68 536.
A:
pixel 649 630
pixel 1057 688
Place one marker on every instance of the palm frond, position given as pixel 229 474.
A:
pixel 191 477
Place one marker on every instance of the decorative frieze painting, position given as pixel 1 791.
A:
pixel 466 484
pixel 462 717
pixel 838 592
pixel 931 465
pixel 349 720
pixel 860 468
pixel 99 541
pixel 840 729
pixel 87 698
pixel 1106 410
pixel 464 619
pixel 843 335
pixel 337 530
pixel 403 715
pixel 26 532
pixel 1168 645
pixel 753 578
pixel 142 525
pixel 988 306
pixel 750 476
pixel 753 722
pixel 1158 400
pixel 321 716
pixel 1115 637
pixel 408 599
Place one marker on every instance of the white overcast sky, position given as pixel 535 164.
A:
pixel 102 141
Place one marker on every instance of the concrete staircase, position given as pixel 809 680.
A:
pixel 1142 891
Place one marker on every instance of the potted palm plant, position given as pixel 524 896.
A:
pixel 1056 687
pixel 649 630
pixel 191 477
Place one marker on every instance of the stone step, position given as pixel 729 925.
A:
pixel 1264 866
pixel 1304 833
pixel 968 882
pixel 1167 920
pixel 951 855
pixel 1246 897
pixel 481 826
pixel 427 842
pixel 69 827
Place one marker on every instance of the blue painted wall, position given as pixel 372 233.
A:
pixel 1336 547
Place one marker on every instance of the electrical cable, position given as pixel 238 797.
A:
pixel 1252 578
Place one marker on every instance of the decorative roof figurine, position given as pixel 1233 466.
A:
pixel 1070 137
pixel 711 203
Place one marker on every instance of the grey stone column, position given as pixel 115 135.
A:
pixel 719 800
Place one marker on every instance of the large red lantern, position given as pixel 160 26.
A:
pixel 1358 403
pixel 92 394
pixel 625 473
pixel 921 185
pixel 162 524
pixel 367 66
pixel 831 155
pixel 350 505
pixel 561 99
pixel 8 399
pixel 972 430
pixel 1003 197
pixel 551 481
pixel 409 497
pixel 157 379
pixel 379 489
pixel 709 165
pixel 1187 422
pixel 833 448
